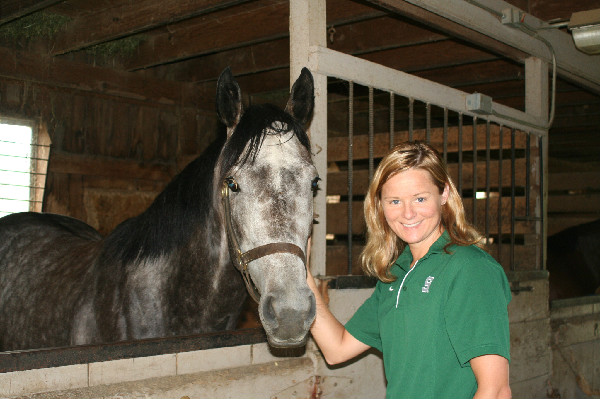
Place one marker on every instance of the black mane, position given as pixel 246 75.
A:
pixel 171 218
pixel 251 130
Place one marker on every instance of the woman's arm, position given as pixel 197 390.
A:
pixel 335 342
pixel 491 373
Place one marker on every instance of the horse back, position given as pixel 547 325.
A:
pixel 45 272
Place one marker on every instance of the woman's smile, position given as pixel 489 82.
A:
pixel 412 206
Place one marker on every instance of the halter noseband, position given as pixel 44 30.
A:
pixel 241 259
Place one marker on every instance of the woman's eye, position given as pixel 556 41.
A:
pixel 394 202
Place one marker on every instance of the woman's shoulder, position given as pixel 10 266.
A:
pixel 472 258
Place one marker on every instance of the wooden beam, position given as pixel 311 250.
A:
pixel 357 38
pixel 192 39
pixel 129 18
pixel 60 73
pixel 428 18
pixel 481 25
pixel 559 10
pixel 443 54
pixel 580 181
pixel 73 164
pixel 260 22
pixel 15 9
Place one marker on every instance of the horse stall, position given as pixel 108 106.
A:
pixel 467 77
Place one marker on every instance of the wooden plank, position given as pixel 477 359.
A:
pixel 440 55
pixel 61 163
pixel 559 222
pixel 15 9
pixel 337 260
pixel 406 34
pixel 123 183
pixel 30 67
pixel 563 181
pixel 337 147
pixel 559 10
pixel 584 203
pixel 337 216
pixel 129 18
pixel 337 182
pixel 222 33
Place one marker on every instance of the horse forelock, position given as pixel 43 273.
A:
pixel 248 136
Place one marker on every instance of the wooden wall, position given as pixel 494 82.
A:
pixel 117 138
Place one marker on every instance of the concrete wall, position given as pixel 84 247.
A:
pixel 576 347
pixel 529 316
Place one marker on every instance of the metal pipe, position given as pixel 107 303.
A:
pixel 474 172
pixel 500 137
pixel 512 198
pixel 371 134
pixel 460 154
pixel 392 119
pixel 411 116
pixel 428 122
pixel 350 170
pixel 445 135
pixel 487 180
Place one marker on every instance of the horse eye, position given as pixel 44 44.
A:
pixel 232 184
pixel 315 185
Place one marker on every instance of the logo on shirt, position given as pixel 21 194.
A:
pixel 428 282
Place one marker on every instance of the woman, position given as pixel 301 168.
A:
pixel 439 310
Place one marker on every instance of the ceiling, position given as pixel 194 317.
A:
pixel 193 40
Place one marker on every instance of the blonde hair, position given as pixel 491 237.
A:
pixel 383 245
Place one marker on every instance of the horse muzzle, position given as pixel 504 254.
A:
pixel 287 319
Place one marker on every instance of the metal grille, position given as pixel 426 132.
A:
pixel 496 169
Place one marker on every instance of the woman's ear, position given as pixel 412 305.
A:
pixel 445 194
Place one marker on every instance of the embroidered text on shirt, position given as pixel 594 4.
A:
pixel 428 281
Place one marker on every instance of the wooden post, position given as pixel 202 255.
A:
pixel 536 104
pixel 308 28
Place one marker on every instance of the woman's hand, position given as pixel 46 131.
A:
pixel 335 342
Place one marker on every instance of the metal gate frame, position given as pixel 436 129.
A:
pixel 308 47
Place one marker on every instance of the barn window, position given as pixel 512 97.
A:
pixel 23 163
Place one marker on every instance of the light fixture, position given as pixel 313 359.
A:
pixel 585 28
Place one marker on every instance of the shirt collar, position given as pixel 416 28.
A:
pixel 405 258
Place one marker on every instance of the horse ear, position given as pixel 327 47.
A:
pixel 302 98
pixel 229 100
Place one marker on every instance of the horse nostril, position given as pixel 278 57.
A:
pixel 269 313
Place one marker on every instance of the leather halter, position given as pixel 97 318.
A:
pixel 241 259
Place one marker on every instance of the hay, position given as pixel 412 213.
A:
pixel 32 26
pixel 121 47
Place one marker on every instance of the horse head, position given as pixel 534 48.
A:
pixel 268 182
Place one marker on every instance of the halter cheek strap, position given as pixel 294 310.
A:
pixel 241 259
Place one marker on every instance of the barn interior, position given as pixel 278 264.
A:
pixel 126 90
pixel 123 95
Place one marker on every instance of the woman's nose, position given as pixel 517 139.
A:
pixel 408 212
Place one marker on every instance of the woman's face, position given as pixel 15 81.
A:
pixel 412 206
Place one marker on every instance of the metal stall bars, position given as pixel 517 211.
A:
pixel 500 186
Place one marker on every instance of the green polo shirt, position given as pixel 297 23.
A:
pixel 446 310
